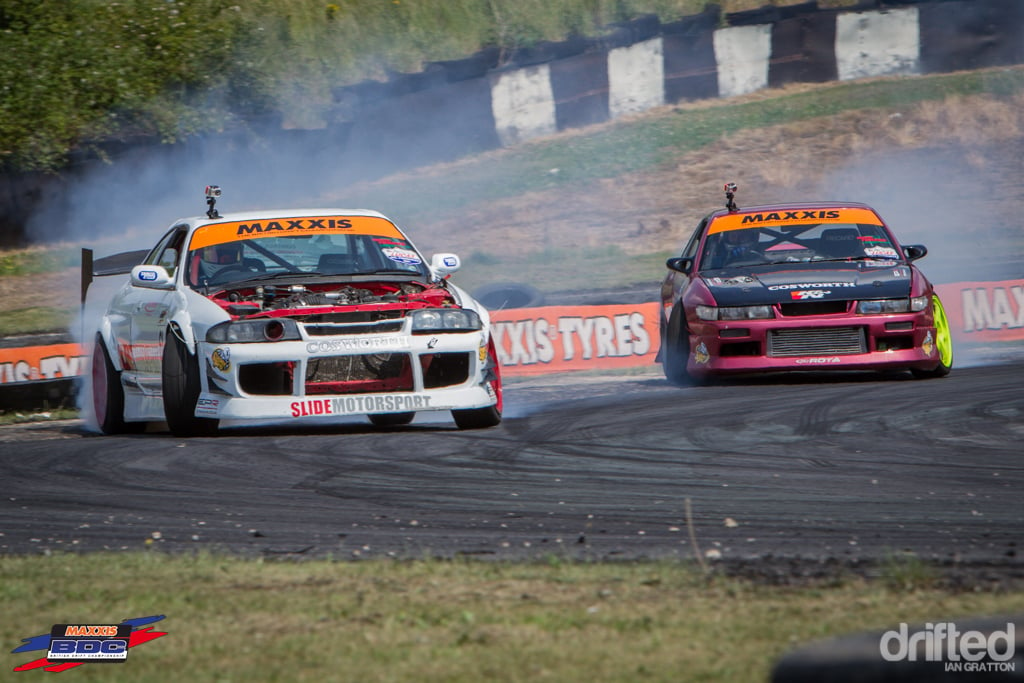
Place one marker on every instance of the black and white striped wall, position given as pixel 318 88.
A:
pixel 454 108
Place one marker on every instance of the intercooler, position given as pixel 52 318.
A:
pixel 817 341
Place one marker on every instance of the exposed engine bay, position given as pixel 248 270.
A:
pixel 249 301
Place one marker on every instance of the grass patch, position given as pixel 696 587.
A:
pixel 39 260
pixel 35 319
pixel 244 620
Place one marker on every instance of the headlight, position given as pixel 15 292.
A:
pixel 445 320
pixel 880 306
pixel 241 331
pixel 735 312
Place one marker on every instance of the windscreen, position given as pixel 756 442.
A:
pixel 737 243
pixel 228 253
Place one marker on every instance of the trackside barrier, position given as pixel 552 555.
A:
pixel 554 339
pixel 536 341
pixel 984 311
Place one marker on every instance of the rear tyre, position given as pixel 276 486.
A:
pixel 943 343
pixel 108 394
pixel 391 419
pixel 181 391
pixel 482 418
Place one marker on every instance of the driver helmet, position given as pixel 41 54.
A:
pixel 222 254
pixel 744 237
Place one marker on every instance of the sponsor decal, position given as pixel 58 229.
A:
pixel 450 262
pixel 71 645
pixel 207 406
pixel 401 255
pixel 147 275
pixel 482 351
pixel 810 285
pixel 359 405
pixel 358 344
pixel 827 360
pixel 871 238
pixel 928 345
pixel 881 252
pixel 730 281
pixel 295 224
pixel 789 216
pixel 221 359
pixel 802 294
pixel 701 355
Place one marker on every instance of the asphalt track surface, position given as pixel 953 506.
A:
pixel 787 473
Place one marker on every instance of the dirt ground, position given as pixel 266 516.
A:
pixel 947 174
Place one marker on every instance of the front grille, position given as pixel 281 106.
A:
pixel 359 374
pixel 330 329
pixel 817 341
pixel 814 308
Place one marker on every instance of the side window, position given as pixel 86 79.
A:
pixel 167 253
pixel 691 247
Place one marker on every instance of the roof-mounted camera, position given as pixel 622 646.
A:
pixel 212 194
pixel 730 192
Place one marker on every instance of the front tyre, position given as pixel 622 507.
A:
pixel 943 343
pixel 482 418
pixel 675 351
pixel 108 394
pixel 181 391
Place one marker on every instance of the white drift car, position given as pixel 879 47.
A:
pixel 291 315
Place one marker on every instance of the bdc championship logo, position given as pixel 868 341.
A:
pixel 71 645
pixel 89 643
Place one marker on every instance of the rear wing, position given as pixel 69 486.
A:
pixel 116 264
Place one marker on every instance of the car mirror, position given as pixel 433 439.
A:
pixel 680 264
pixel 152 277
pixel 444 265
pixel 915 251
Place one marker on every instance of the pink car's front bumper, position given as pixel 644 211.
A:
pixel 829 342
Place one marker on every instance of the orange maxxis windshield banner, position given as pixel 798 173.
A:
pixel 41 363
pixel 535 341
pixel 219 233
pixel 761 219
pixel 984 311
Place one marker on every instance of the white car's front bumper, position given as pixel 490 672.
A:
pixel 280 380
